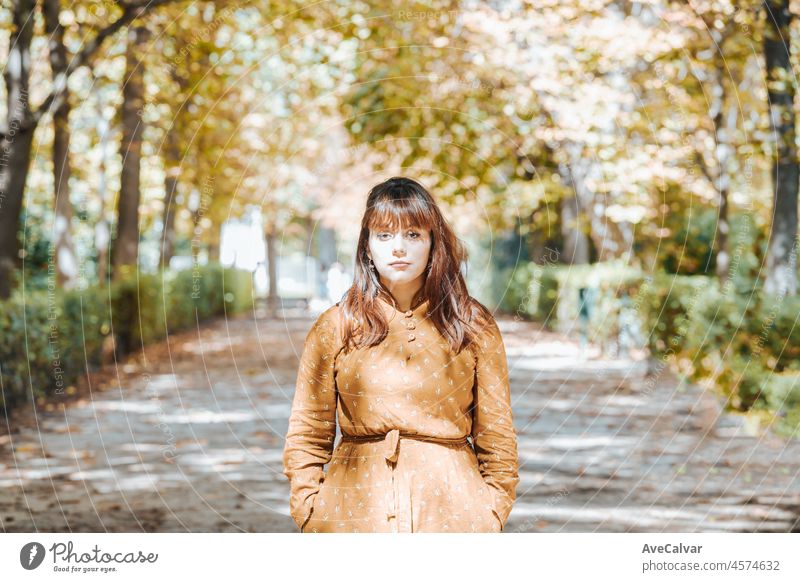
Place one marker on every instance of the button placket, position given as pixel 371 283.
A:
pixel 410 324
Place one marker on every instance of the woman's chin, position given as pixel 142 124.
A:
pixel 401 276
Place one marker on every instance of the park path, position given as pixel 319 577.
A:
pixel 187 436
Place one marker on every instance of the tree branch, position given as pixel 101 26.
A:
pixel 706 171
pixel 130 12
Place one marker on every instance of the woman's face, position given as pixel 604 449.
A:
pixel 400 256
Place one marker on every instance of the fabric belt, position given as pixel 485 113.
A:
pixel 392 440
pixel 398 504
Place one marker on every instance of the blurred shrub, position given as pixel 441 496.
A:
pixel 665 308
pixel 550 293
pixel 743 343
pixel 531 292
pixel 85 323
pixel 689 249
pixel 48 339
pixel 29 353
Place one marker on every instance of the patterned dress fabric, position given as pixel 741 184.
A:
pixel 428 440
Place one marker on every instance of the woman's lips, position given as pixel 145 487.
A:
pixel 399 265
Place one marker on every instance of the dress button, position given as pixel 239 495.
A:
pixel 409 313
pixel 410 325
pixel 411 337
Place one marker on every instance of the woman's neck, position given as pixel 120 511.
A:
pixel 404 295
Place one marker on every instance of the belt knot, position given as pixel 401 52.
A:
pixel 391 446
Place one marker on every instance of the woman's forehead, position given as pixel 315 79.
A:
pixel 391 223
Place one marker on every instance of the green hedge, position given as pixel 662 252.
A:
pixel 530 292
pixel 744 345
pixel 550 293
pixel 741 342
pixel 49 339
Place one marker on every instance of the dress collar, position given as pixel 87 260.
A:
pixel 391 310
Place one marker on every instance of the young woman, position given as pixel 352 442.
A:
pixel 417 370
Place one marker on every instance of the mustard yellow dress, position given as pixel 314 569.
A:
pixel 428 441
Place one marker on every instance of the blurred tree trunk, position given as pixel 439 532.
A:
pixel 781 264
pixel 308 231
pixel 17 130
pixel 125 250
pixel 66 262
pixel 196 207
pixel 214 242
pixel 576 243
pixel 572 211
pixel 172 159
pixel 590 226
pixel 272 269
pixel 724 126
pixel 326 246
pixel 16 139
pixel 723 113
pixel 536 238
pixel 102 230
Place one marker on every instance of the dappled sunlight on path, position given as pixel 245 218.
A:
pixel 192 441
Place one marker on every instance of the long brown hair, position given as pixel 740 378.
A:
pixel 458 317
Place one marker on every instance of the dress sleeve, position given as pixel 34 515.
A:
pixel 493 432
pixel 312 422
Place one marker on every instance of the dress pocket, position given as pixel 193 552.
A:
pixel 310 513
pixel 494 516
pixel 313 504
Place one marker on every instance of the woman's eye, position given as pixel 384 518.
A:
pixel 383 234
pixel 414 234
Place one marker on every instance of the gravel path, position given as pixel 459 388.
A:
pixel 187 436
